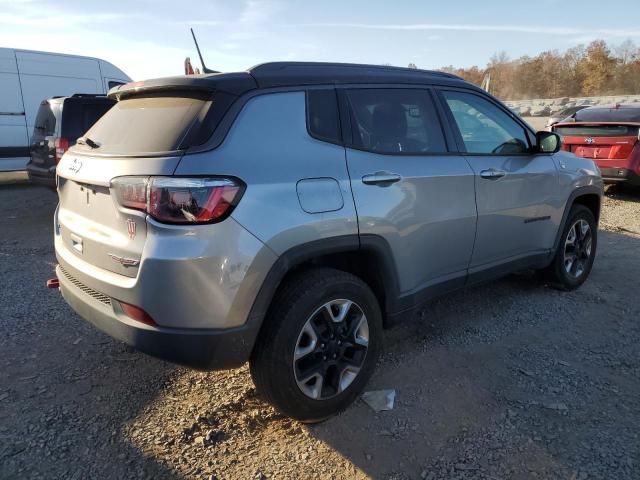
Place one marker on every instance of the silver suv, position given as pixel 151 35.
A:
pixel 285 215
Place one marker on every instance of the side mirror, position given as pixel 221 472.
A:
pixel 548 142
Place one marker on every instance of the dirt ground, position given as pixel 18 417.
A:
pixel 508 380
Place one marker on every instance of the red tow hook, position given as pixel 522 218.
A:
pixel 53 283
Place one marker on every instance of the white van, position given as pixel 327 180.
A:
pixel 27 78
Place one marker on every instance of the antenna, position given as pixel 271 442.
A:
pixel 204 67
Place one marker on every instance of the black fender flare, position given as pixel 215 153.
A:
pixel 373 245
pixel 578 192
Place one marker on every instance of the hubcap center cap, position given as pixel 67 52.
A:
pixel 333 349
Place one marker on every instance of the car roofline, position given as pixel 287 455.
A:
pixel 285 74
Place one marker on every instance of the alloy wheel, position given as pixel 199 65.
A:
pixel 331 349
pixel 578 248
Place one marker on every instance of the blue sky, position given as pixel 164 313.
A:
pixel 150 38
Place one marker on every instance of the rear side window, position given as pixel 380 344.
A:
pixel 45 124
pixel 395 121
pixel 152 124
pixel 78 117
pixel 323 120
pixel 485 128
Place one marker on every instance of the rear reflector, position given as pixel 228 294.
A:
pixel 136 313
pixel 53 283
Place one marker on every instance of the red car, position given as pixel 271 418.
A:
pixel 610 136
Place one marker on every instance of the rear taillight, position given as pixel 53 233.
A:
pixel 634 159
pixel 621 152
pixel 62 145
pixel 179 200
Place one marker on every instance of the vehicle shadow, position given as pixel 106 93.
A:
pixel 623 193
pixel 474 393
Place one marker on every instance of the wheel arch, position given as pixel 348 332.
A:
pixel 366 256
pixel 589 196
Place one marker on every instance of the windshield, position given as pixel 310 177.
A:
pixel 147 125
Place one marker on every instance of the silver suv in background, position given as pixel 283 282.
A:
pixel 285 215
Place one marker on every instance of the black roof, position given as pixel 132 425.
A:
pixel 277 74
pixel 283 74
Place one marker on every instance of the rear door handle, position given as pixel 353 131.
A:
pixel 492 173
pixel 381 178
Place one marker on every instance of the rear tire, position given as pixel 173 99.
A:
pixel 576 250
pixel 319 345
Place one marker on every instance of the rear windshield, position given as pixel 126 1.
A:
pixel 79 116
pixel 45 124
pixel 598 131
pixel 149 124
pixel 622 114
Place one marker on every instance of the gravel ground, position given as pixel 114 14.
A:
pixel 508 380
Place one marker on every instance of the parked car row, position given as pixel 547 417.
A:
pixel 27 78
pixel 59 123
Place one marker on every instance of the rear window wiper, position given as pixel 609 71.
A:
pixel 88 141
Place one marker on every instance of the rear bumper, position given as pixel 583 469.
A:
pixel 620 175
pixel 203 349
pixel 42 175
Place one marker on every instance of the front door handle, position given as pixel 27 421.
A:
pixel 492 174
pixel 382 179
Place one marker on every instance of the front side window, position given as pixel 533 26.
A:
pixel 485 128
pixel 395 121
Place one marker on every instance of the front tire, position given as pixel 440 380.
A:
pixel 318 348
pixel 576 251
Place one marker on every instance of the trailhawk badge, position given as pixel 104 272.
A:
pixel 131 228
pixel 124 261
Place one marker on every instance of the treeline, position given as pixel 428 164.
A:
pixel 591 70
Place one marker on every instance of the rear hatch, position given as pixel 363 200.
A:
pixel 610 144
pixel 43 148
pixel 143 135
